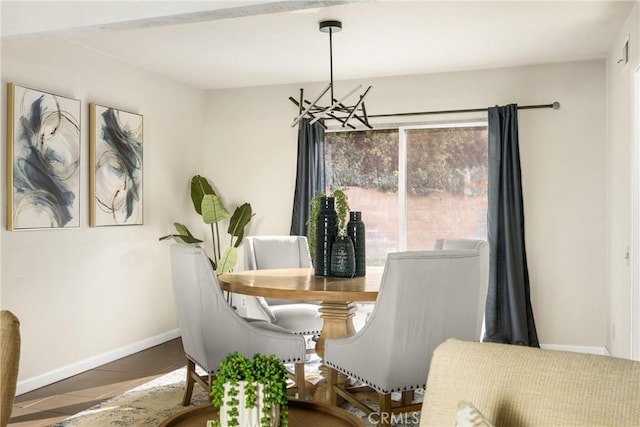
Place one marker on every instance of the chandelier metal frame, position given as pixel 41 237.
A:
pixel 337 109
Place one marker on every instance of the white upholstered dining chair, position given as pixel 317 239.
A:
pixel 211 329
pixel 482 246
pixel 272 252
pixel 425 298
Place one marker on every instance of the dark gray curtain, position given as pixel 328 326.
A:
pixel 310 176
pixel 508 315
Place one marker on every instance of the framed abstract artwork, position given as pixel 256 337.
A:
pixel 115 177
pixel 43 160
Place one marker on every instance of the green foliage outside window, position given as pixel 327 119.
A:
pixel 367 159
pixel 439 159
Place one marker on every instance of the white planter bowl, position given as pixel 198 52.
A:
pixel 248 417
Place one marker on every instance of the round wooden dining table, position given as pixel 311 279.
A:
pixel 337 295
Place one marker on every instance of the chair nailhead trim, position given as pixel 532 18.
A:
pixel 370 384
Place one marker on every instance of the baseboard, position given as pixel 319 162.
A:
pixel 51 377
pixel 577 349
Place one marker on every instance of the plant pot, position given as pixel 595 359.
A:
pixel 249 417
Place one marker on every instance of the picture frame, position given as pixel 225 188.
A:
pixel 43 160
pixel 115 166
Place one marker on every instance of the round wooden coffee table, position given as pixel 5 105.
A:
pixel 301 414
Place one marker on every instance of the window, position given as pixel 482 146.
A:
pixel 413 185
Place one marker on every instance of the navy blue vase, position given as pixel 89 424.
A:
pixel 355 230
pixel 326 232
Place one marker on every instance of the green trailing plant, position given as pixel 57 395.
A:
pixel 266 370
pixel 210 207
pixel 342 212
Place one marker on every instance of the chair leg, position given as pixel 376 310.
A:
pixel 332 380
pixel 300 382
pixel 407 397
pixel 209 386
pixel 384 401
pixel 188 391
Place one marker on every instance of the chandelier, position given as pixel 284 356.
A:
pixel 336 109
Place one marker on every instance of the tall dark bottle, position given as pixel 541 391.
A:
pixel 326 232
pixel 355 230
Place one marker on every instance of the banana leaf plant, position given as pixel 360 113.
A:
pixel 183 236
pixel 210 207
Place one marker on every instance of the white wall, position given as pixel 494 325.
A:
pixel 620 150
pixel 251 157
pixel 88 295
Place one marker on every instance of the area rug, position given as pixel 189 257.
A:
pixel 146 405
pixel 151 403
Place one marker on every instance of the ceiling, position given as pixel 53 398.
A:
pixel 229 44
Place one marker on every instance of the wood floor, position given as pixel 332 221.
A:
pixel 55 402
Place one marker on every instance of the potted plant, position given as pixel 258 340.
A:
pixel 251 392
pixel 335 255
pixel 210 207
pixel 342 210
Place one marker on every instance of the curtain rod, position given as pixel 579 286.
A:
pixel 555 106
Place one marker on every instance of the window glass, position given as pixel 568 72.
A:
pixel 365 164
pixel 445 190
pixel 446 184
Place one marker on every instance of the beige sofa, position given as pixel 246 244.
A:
pixel 522 386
